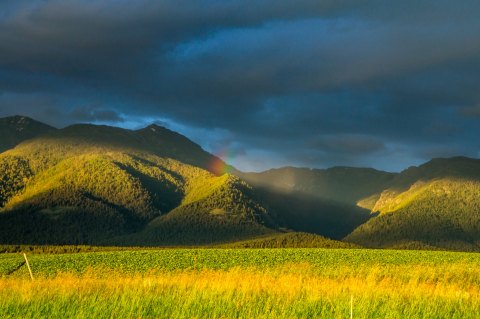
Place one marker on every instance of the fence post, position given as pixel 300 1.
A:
pixel 351 306
pixel 28 265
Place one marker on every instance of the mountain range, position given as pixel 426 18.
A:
pixel 102 185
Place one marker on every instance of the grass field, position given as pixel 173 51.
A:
pixel 242 283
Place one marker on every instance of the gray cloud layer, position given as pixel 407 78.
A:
pixel 371 83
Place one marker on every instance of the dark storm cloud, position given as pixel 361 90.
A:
pixel 349 143
pixel 94 113
pixel 306 82
pixel 51 110
pixel 470 111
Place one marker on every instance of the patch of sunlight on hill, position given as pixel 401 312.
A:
pixel 442 213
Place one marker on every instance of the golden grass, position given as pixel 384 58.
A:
pixel 288 291
pixel 288 281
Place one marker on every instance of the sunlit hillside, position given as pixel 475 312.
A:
pixel 436 204
pixel 89 184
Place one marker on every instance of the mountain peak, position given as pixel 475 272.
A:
pixel 21 121
pixel 17 116
pixel 18 128
pixel 155 125
pixel 17 120
pixel 156 128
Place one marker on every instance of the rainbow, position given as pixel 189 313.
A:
pixel 219 165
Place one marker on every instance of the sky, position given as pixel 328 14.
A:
pixel 264 83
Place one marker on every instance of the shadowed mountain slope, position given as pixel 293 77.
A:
pixel 321 201
pixel 346 185
pixel 16 129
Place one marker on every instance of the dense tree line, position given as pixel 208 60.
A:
pixel 15 172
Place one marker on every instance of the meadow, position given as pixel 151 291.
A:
pixel 242 283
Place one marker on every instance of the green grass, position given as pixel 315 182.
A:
pixel 142 261
pixel 242 283
pixel 174 304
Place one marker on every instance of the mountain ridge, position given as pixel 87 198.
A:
pixel 16 129
pixel 98 184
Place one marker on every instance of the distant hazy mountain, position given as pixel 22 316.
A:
pixel 89 184
pixel 16 129
pixel 345 185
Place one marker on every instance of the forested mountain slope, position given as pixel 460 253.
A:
pixel 93 184
pixel 436 204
